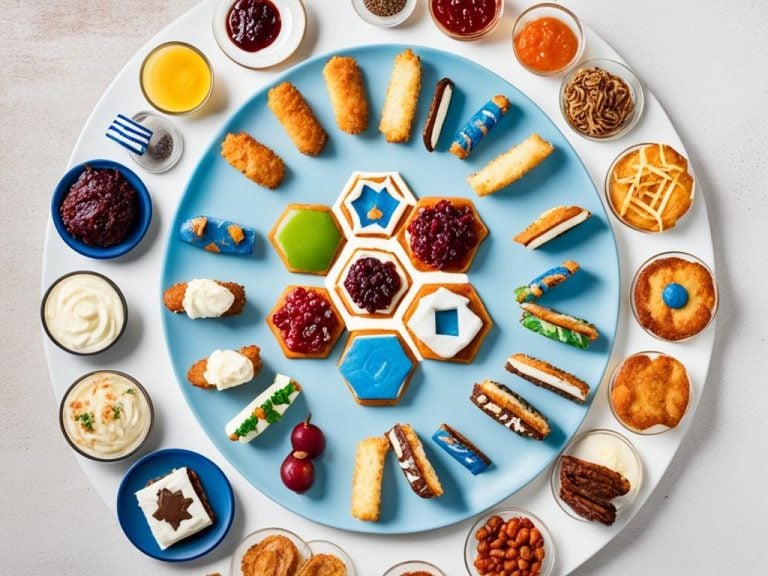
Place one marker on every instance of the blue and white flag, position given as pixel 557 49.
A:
pixel 129 134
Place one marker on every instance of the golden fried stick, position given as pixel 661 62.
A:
pixel 253 159
pixel 347 92
pixel 402 97
pixel 173 298
pixel 510 166
pixel 297 118
pixel 196 374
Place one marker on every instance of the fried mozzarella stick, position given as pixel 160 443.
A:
pixel 510 166
pixel 402 97
pixel 253 159
pixel 346 89
pixel 297 118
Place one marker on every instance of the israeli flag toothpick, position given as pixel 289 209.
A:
pixel 129 134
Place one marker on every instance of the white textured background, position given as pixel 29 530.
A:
pixel 706 61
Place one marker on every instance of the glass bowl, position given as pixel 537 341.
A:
pixel 657 428
pixel 326 547
pixel 384 21
pixel 148 58
pixel 636 90
pixel 255 537
pixel 485 31
pixel 684 256
pixel 549 10
pixel 131 449
pixel 587 447
pixel 161 127
pixel 470 545
pixel 414 566
pixel 607 190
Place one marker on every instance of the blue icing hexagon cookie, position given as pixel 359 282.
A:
pixel 377 367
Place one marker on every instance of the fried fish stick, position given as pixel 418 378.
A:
pixel 196 374
pixel 347 92
pixel 173 298
pixel 402 97
pixel 510 166
pixel 253 159
pixel 297 118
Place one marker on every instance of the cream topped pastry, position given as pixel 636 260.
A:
pixel 206 298
pixel 106 415
pixel 228 368
pixel 84 313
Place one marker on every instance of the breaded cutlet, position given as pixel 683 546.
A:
pixel 367 479
pixel 196 374
pixel 402 97
pixel 346 89
pixel 258 162
pixel 297 119
pixel 173 297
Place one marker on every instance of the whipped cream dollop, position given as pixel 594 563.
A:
pixel 205 298
pixel 84 313
pixel 105 415
pixel 228 368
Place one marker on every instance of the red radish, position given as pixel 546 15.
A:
pixel 308 438
pixel 298 472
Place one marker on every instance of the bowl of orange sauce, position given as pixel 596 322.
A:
pixel 547 39
pixel 176 78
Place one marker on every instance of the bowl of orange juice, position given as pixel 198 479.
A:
pixel 176 78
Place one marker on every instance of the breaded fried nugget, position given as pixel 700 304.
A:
pixel 252 158
pixel 347 92
pixel 402 97
pixel 297 118
pixel 173 298
pixel 196 374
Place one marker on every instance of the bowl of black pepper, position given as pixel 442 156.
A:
pixel 384 13
pixel 101 209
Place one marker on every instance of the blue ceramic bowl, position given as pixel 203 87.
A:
pixel 138 227
pixel 217 489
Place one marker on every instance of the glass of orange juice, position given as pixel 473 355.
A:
pixel 176 78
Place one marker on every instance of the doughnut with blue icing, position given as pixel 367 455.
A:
pixel 216 235
pixel 461 449
pixel 477 127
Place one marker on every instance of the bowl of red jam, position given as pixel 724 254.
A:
pixel 466 19
pixel 101 209
pixel 547 39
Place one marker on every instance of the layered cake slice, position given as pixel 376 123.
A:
pixel 547 376
pixel 413 461
pixel 510 409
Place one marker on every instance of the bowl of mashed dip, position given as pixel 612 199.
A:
pixel 106 415
pixel 84 313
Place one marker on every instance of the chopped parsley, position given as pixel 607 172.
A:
pixel 249 425
pixel 130 391
pixel 282 396
pixel 117 409
pixel 86 420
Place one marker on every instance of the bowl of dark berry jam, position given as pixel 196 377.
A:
pixel 101 209
pixel 466 19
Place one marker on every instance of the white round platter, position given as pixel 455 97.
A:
pixel 333 25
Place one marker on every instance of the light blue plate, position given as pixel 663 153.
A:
pixel 156 464
pixel 439 392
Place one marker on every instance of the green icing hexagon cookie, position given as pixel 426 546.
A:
pixel 307 238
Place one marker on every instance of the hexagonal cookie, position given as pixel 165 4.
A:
pixel 446 224
pixel 366 283
pixel 448 322
pixel 307 238
pixel 374 204
pixel 290 327
pixel 377 367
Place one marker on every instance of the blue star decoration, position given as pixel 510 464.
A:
pixel 374 207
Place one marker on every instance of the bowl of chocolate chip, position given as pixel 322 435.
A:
pixel 601 99
pixel 101 209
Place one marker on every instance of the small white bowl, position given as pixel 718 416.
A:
pixel 388 21
pixel 414 566
pixel 255 537
pixel 325 547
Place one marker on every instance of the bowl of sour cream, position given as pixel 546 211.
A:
pixel 106 415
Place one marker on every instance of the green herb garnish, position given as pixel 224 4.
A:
pixel 86 420
pixel 130 391
pixel 117 410
pixel 249 425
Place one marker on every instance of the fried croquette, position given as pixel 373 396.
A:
pixel 252 158
pixel 296 117
pixel 347 92
pixel 196 374
pixel 173 298
pixel 402 97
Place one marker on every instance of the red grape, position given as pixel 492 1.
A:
pixel 298 472
pixel 308 438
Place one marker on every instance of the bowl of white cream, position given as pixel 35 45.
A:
pixel 106 415
pixel 84 313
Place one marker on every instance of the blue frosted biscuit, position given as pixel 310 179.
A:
pixel 478 126
pixel 461 449
pixel 540 285
pixel 215 235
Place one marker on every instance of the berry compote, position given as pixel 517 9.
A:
pixel 443 236
pixel 306 321
pixel 372 284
